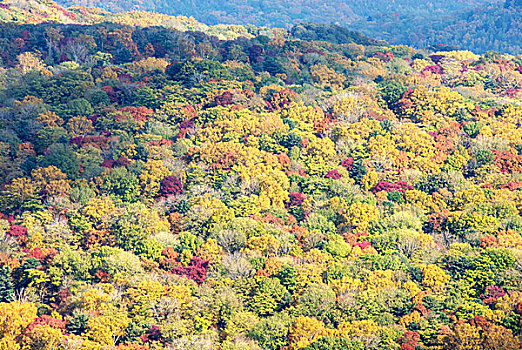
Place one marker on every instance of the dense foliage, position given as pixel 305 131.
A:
pixel 477 25
pixel 165 189
pixel 46 11
pixel 480 29
pixel 281 13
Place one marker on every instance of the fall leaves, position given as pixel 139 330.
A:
pixel 274 194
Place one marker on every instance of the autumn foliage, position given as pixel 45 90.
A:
pixel 170 185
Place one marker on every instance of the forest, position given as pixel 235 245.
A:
pixel 483 28
pixel 166 184
pixel 282 13
pixel 476 25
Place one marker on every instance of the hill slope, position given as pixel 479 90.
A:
pixel 284 13
pixel 306 190
pixel 478 25
pixel 44 11
pixel 493 27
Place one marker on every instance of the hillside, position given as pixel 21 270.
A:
pixel 170 185
pixel 284 13
pixel 44 11
pixel 485 28
pixel 477 25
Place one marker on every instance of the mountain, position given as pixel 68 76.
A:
pixel 484 28
pixel 166 184
pixel 45 11
pixel 285 13
pixel 478 25
pixel 513 3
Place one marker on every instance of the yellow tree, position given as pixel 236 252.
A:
pixel 266 245
pixel 356 329
pixel 149 293
pixel 357 215
pixel 434 277
pixel 29 61
pixel 108 327
pixel 19 190
pixel 49 119
pixel 430 105
pixel 419 149
pixel 43 337
pixel 497 337
pixel 79 126
pixel 51 180
pixel 14 319
pixel 150 178
pixel 99 211
pixel 304 116
pixel 463 336
pixel 304 331
pixel 325 76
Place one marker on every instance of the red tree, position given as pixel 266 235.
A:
pixel 196 270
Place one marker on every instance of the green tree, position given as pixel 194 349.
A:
pixel 6 285
pixel 272 332
pixel 267 296
pixel 335 343
pixel 316 300
pixel 122 184
pixel 63 157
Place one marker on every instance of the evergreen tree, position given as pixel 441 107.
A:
pixel 6 285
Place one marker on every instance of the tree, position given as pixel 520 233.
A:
pixel 391 92
pixel 240 323
pixel 79 126
pixel 150 178
pixel 64 158
pixel 316 300
pixel 170 185
pixel 196 270
pixel 78 107
pixel 266 245
pixel 114 262
pixel 434 277
pixel 335 343
pixel 272 332
pixel 43 335
pixel 267 297
pixel 304 331
pixel 358 171
pixel 99 211
pixel 498 337
pixel 6 285
pixel 51 181
pixel 122 183
pixel 29 61
pixel 108 327
pixel 325 76
pixel 357 215
pixel 478 333
pixel 15 317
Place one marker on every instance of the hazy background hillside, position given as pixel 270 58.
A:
pixel 284 13
pixel 478 25
pixel 483 27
